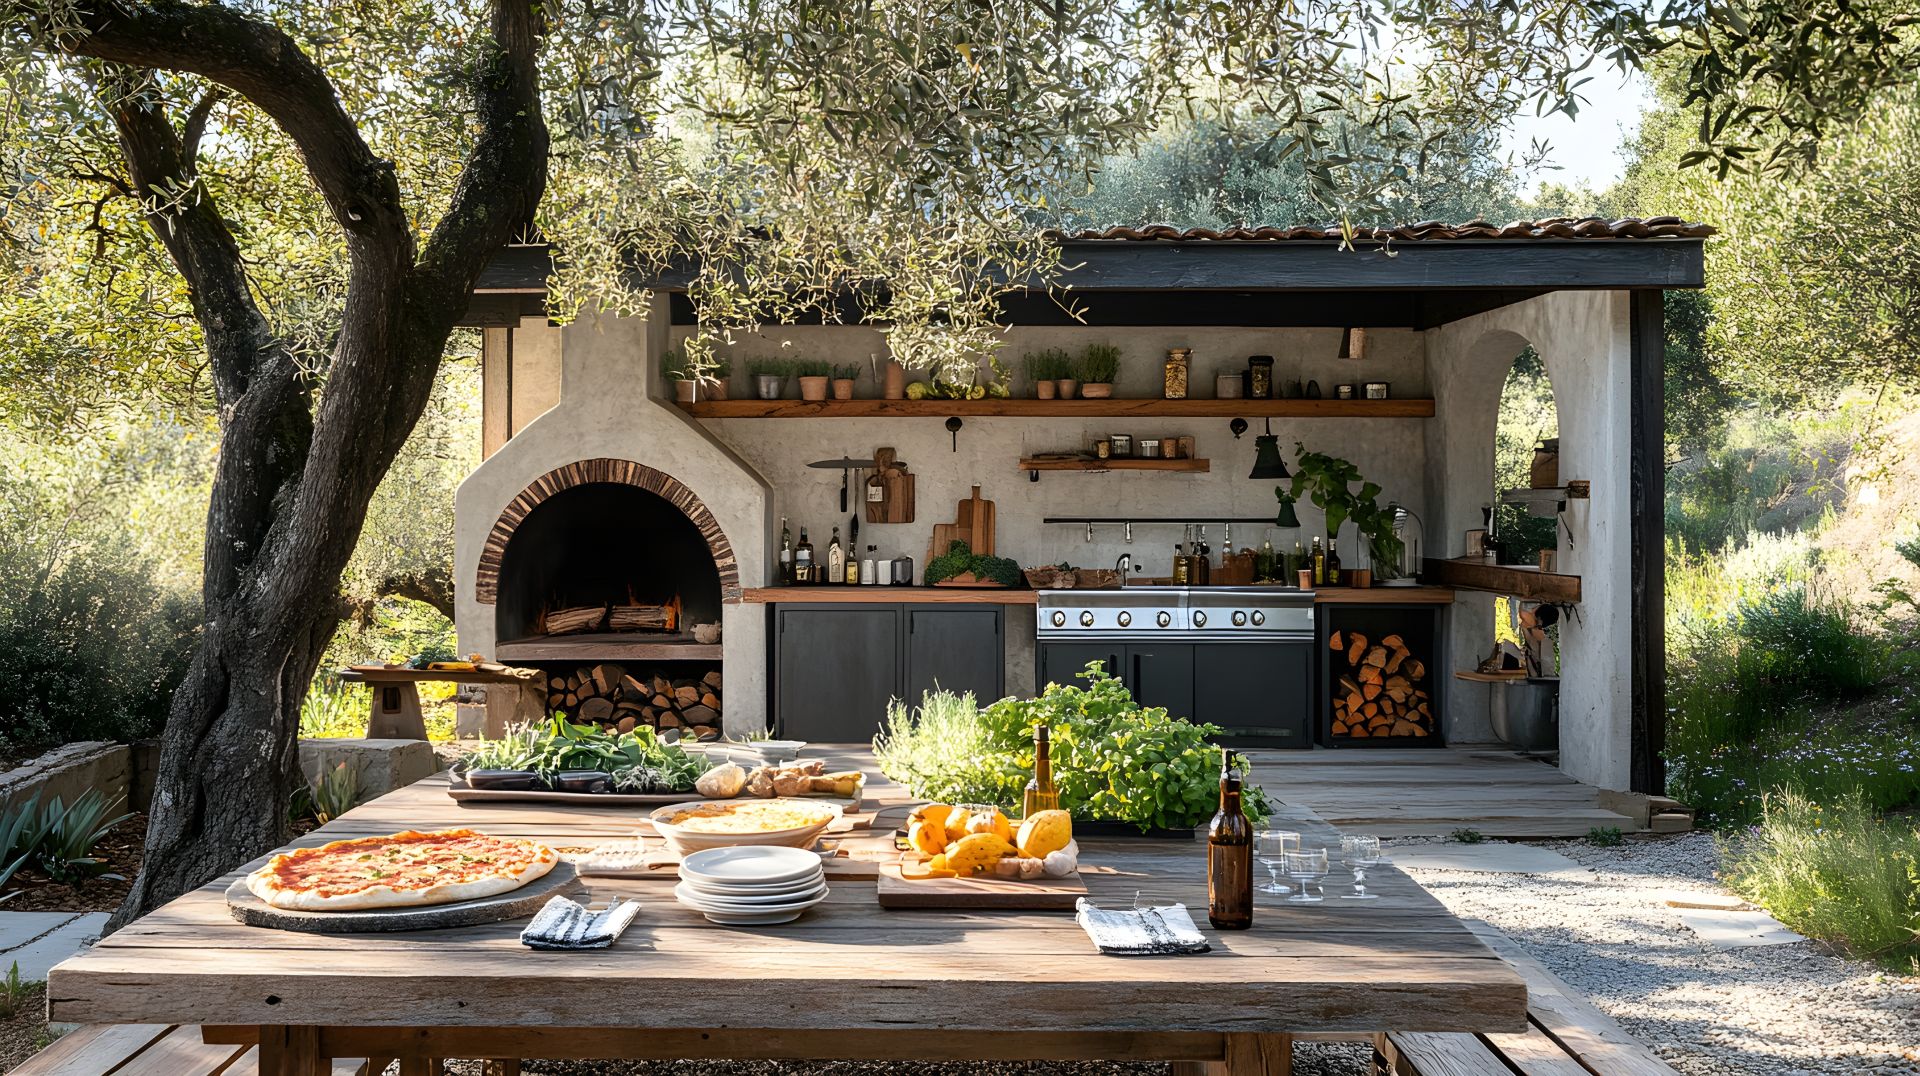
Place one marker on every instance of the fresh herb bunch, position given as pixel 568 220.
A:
pixel 1049 365
pixel 1099 364
pixel 960 559
pixel 638 761
pixel 673 365
pixel 812 368
pixel 846 373
pixel 1113 759
pixel 769 367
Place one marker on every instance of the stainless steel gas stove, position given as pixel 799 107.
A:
pixel 1237 657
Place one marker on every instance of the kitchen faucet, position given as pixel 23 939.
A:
pixel 1123 566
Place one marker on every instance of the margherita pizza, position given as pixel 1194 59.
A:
pixel 404 870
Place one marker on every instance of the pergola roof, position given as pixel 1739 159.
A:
pixel 1414 276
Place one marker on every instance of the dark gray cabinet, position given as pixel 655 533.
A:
pixel 1158 674
pixel 836 666
pixel 1258 693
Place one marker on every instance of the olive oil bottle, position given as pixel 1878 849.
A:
pixel 1040 794
pixel 1230 855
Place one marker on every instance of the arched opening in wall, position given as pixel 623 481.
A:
pixel 1526 446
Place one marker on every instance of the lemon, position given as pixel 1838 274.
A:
pixel 917 390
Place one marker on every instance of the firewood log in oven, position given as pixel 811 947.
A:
pixel 610 695
pixel 1379 688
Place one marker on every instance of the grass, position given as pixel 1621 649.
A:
pixel 1468 836
pixel 1837 870
pixel 1606 836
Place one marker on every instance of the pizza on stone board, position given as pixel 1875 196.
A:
pixel 404 870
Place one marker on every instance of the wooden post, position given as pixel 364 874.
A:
pixel 1256 1055
pixel 1647 490
pixel 291 1051
pixel 396 713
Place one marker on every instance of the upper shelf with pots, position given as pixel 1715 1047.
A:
pixel 1030 408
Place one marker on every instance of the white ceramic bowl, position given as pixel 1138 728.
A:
pixel 684 841
pixel 750 865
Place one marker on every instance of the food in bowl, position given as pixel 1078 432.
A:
pixel 750 816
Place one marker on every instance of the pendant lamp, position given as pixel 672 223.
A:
pixel 1286 518
pixel 1266 456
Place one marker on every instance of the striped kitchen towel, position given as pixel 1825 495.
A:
pixel 1163 931
pixel 566 924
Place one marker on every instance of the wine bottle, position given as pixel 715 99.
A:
pixel 836 559
pixel 1319 563
pixel 803 559
pixel 786 554
pixel 1230 856
pixel 1040 794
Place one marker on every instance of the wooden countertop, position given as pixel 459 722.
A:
pixel 972 596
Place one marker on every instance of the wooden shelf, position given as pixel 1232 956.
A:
pixel 605 646
pixel 1109 408
pixel 1130 463
pixel 1379 595
pixel 846 595
pixel 1518 582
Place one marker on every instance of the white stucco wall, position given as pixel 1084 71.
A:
pixel 609 406
pixel 1583 339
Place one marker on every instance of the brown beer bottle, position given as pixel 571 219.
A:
pixel 1230 856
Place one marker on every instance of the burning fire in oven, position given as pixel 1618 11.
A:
pixel 632 615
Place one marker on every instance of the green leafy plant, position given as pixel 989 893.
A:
pixel 22 827
pixel 1466 835
pixel 1099 364
pixel 1606 836
pixel 769 367
pixel 638 761
pixel 333 709
pixel 66 848
pixel 1327 481
pixel 960 559
pixel 847 372
pixel 334 792
pixel 14 993
pixel 673 365
pixel 1049 365
pixel 1113 760
pixel 812 368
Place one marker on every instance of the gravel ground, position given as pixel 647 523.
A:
pixel 1780 1010
pixel 1309 1059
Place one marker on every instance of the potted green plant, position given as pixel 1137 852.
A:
pixel 843 380
pixel 673 367
pixel 1327 482
pixel 1046 368
pixel 813 375
pixel 769 377
pixel 1099 365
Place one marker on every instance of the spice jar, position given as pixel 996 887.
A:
pixel 1102 449
pixel 1260 377
pixel 1149 448
pixel 1122 444
pixel 1176 372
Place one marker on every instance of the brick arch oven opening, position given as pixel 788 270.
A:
pixel 603 574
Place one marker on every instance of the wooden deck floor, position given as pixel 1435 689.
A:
pixel 1432 792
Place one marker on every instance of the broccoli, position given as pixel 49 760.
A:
pixel 957 560
pixel 998 569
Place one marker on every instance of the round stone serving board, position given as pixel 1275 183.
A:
pixel 517 904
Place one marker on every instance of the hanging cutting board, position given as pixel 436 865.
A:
pixel 895 486
pixel 1053 893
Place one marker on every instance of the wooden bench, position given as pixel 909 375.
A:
pixel 1565 1036
pixel 163 1050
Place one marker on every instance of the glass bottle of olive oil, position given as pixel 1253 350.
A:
pixel 1040 794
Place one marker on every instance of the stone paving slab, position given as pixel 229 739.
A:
pixel 1738 930
pixel 19 928
pixel 1492 857
pixel 37 958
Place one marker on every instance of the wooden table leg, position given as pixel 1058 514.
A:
pixel 420 1066
pixel 1257 1055
pixel 292 1051
pixel 396 713
pixel 500 1067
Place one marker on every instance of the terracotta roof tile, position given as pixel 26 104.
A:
pixel 1423 231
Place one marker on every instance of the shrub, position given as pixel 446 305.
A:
pixel 1836 872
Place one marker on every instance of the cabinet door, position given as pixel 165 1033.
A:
pixel 835 669
pixel 1062 663
pixel 1161 674
pixel 956 649
pixel 1259 693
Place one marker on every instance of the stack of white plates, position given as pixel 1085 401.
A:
pixel 752 885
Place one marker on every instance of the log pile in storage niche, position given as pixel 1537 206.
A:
pixel 1380 687
pixel 611 695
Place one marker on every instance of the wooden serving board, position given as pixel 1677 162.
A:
pixel 518 904
pixel 1050 893
pixel 462 793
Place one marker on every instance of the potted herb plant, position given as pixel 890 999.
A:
pixel 843 380
pixel 1099 365
pixel 673 367
pixel 813 376
pixel 1046 368
pixel 1327 482
pixel 769 377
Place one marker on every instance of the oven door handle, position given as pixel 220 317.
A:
pixel 1135 686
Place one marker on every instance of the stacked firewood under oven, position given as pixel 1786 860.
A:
pixel 1379 688
pixel 607 694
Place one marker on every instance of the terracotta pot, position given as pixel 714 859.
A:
pixel 843 388
pixel 893 381
pixel 1096 390
pixel 683 391
pixel 714 390
pixel 1067 386
pixel 813 388
pixel 1045 390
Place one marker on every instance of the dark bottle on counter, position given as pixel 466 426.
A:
pixel 1296 561
pixel 1319 561
pixel 1203 562
pixel 1230 856
pixel 803 560
pixel 1040 794
pixel 1333 563
pixel 786 554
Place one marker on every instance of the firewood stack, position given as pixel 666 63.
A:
pixel 1378 688
pixel 579 619
pixel 609 695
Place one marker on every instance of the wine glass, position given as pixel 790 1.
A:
pixel 1271 846
pixel 1306 867
pixel 1360 852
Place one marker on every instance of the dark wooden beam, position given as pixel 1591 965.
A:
pixel 1525 583
pixel 1647 487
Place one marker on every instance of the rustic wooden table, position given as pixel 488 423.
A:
pixel 848 980
pixel 395 711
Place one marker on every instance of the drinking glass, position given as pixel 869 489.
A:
pixel 1306 868
pixel 1271 846
pixel 1360 852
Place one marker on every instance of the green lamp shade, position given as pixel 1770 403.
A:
pixel 1266 458
pixel 1286 518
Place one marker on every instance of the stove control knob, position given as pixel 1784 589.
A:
pixel 1125 619
pixel 1086 619
pixel 1059 618
pixel 1163 618
pixel 1199 619
pixel 1259 618
pixel 1239 619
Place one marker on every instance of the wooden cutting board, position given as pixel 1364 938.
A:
pixel 973 524
pixel 1052 893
